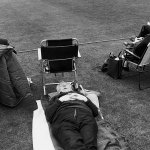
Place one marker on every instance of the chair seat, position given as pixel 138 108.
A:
pixel 61 66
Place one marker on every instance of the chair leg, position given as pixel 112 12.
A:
pixel 43 80
pixel 75 72
pixel 140 81
pixel 75 75
pixel 44 86
pixel 141 70
pixel 44 89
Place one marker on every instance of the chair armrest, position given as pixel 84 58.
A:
pixel 126 50
pixel 79 54
pixel 39 54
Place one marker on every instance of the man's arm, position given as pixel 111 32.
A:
pixel 51 108
pixel 92 107
pixel 92 100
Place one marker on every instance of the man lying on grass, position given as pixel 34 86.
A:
pixel 71 115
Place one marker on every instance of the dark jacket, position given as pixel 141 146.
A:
pixel 13 83
pixel 56 106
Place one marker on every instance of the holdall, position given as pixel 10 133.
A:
pixel 115 66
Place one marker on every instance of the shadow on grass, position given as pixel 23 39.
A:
pixel 132 78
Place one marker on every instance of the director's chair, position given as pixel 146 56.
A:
pixel 58 56
pixel 139 63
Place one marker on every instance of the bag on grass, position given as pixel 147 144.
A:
pixel 115 66
pixel 104 67
pixel 109 139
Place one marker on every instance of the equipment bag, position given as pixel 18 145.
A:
pixel 115 66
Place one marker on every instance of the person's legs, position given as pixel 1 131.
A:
pixel 139 50
pixel 144 31
pixel 67 134
pixel 89 133
pixel 88 129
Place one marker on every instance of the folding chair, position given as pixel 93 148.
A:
pixel 139 62
pixel 58 56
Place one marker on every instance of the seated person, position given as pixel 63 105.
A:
pixel 138 50
pixel 145 30
pixel 141 47
pixel 71 115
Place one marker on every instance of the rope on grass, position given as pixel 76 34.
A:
pixel 102 41
pixel 27 51
pixel 86 43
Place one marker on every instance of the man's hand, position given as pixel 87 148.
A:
pixel 73 96
pixel 64 98
pixel 82 90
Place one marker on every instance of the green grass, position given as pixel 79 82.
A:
pixel 26 22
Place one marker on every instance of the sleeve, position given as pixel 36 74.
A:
pixel 51 108
pixel 92 107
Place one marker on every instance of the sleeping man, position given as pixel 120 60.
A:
pixel 72 118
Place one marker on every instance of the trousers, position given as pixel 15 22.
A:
pixel 76 129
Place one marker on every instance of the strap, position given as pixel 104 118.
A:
pixel 112 144
pixel 119 53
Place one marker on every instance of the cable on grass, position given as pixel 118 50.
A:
pixel 102 41
pixel 86 43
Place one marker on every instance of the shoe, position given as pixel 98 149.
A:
pixel 132 38
pixel 129 45
pixel 125 43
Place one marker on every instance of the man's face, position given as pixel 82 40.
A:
pixel 64 87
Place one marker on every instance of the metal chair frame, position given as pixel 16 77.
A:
pixel 47 44
pixel 140 67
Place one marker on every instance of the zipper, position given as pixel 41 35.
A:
pixel 75 113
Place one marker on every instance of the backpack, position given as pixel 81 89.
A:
pixel 109 139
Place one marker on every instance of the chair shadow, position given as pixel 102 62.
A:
pixel 132 77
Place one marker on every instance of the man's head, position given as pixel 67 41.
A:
pixel 5 44
pixel 64 87
pixel 148 23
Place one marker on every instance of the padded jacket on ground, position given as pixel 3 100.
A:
pixel 14 87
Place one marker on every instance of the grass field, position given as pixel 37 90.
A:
pixel 26 22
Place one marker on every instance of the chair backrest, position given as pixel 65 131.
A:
pixel 146 58
pixel 60 54
pixel 59 49
pixel 61 42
